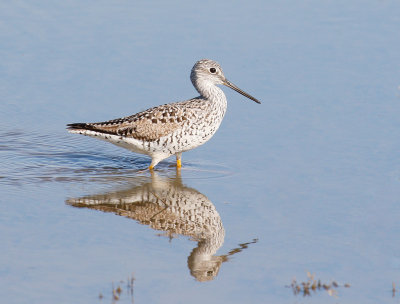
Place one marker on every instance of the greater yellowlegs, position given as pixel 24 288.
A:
pixel 171 128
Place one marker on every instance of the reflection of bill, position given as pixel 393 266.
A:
pixel 166 204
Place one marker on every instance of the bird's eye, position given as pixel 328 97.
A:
pixel 213 70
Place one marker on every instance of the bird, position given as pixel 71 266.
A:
pixel 173 128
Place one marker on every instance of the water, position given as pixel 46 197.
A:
pixel 308 181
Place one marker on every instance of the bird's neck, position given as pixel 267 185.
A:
pixel 210 91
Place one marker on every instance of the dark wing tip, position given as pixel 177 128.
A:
pixel 76 126
pixel 89 127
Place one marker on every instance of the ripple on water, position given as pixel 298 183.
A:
pixel 32 157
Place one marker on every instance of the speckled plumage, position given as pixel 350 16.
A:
pixel 172 128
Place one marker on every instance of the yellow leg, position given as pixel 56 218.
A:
pixel 154 162
pixel 178 160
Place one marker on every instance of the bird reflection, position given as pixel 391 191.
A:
pixel 165 204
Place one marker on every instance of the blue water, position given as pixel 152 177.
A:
pixel 310 178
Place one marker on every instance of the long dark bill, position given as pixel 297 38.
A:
pixel 233 87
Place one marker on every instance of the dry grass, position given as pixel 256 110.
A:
pixel 312 285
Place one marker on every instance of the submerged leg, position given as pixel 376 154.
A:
pixel 178 160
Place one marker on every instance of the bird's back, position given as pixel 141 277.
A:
pixel 169 128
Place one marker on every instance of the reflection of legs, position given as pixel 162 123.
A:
pixel 178 159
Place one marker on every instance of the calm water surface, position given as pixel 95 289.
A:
pixel 308 181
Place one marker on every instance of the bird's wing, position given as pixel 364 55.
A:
pixel 148 125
